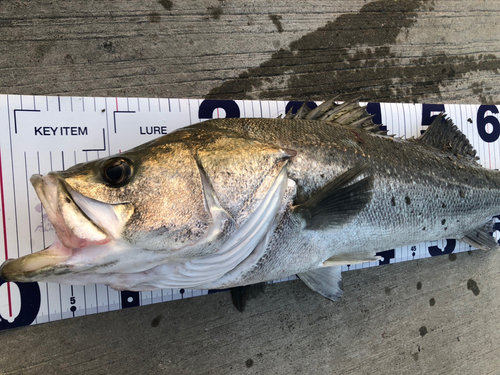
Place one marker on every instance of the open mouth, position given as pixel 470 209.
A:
pixel 79 222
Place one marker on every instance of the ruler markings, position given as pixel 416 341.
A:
pixel 96 298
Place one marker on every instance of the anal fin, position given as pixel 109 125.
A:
pixel 326 281
pixel 481 237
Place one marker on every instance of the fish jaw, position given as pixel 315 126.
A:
pixel 74 229
pixel 81 223
pixel 29 267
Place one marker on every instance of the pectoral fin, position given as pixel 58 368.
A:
pixel 338 202
pixel 327 281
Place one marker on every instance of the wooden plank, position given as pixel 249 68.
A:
pixel 383 50
pixel 437 315
pixel 426 316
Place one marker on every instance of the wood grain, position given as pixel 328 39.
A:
pixel 383 50
pixel 438 315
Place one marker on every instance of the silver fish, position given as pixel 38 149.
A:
pixel 234 202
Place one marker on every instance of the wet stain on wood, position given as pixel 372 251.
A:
pixel 351 51
pixel 472 286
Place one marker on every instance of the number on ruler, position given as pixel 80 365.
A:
pixel 387 256
pixel 496 226
pixel 130 299
pixel 429 113
pixel 374 109
pixel 295 106
pixel 483 121
pixel 207 108
pixel 448 249
pixel 30 305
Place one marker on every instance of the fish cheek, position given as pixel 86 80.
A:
pixel 169 209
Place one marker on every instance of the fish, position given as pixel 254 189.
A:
pixel 237 202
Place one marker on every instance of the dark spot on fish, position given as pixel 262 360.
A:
pixel 67 200
pixel 443 205
pixel 393 201
pixel 472 286
pixel 423 331
pixel 277 22
pixel 154 17
pixel 461 193
pixel 156 321
pixel 387 290
pixel 415 356
pixel 469 120
pixel 423 228
pixel 432 302
pixel 419 285
pixel 215 12
pixel 167 4
pixel 407 200
pixel 322 175
pixel 452 257
pixel 249 363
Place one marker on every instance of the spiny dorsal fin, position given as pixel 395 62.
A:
pixel 339 201
pixel 445 136
pixel 349 113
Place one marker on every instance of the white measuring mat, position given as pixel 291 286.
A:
pixel 41 134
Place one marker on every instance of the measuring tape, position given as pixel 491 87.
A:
pixel 39 134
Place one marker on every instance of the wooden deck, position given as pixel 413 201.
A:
pixel 433 316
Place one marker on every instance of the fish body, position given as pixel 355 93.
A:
pixel 233 202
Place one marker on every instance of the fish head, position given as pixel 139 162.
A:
pixel 123 213
pixel 169 201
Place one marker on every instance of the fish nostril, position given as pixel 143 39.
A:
pixel 67 200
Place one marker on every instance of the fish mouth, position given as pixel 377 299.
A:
pixel 79 222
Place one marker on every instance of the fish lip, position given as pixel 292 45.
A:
pixel 51 262
pixel 48 188
pixel 38 265
pixel 12 270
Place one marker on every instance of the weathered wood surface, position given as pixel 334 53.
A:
pixel 432 316
pixel 383 50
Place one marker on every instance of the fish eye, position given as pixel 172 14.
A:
pixel 116 171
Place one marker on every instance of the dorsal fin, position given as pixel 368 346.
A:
pixel 349 113
pixel 445 136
